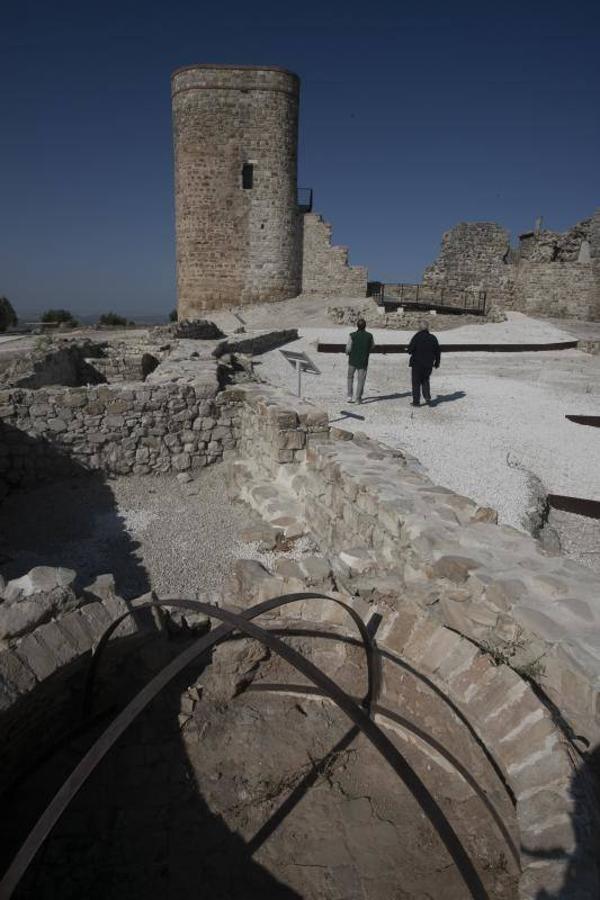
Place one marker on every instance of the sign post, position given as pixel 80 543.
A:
pixel 301 363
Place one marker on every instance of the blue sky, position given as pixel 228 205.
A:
pixel 413 117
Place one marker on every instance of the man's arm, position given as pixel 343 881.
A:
pixel 349 345
pixel 438 353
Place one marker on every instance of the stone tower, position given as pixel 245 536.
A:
pixel 238 226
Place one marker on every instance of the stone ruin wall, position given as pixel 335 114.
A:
pixel 481 579
pixel 325 268
pixel 139 428
pixel 473 257
pixel 549 274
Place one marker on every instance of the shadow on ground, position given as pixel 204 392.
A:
pixel 387 397
pixel 139 828
pixel 447 398
pixel 57 513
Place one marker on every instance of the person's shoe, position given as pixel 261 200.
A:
pixel 350 400
pixel 359 401
pixel 415 404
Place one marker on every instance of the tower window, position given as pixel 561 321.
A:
pixel 247 176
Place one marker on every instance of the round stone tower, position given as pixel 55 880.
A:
pixel 237 220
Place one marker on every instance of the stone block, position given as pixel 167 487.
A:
pixel 75 627
pixel 41 579
pixel 36 656
pixel 58 643
pixel 16 678
pixel 96 619
pixel 454 568
pixel 25 615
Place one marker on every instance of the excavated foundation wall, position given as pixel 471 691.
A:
pixel 119 429
pixel 380 514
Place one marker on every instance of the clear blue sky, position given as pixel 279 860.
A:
pixel 414 116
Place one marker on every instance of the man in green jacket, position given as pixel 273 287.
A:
pixel 359 346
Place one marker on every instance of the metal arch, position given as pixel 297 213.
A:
pixel 306 690
pixel 373 671
pixel 230 621
pixel 384 653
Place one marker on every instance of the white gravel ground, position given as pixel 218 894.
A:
pixel 495 413
pixel 148 531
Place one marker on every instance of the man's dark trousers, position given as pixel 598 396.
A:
pixel 420 382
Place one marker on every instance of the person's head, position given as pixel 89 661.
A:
pixel 423 325
pixel 361 324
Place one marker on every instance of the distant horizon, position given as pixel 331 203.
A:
pixel 411 121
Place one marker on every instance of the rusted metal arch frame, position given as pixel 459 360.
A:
pixel 309 690
pixel 121 722
pixel 373 673
pixel 374 685
pixel 385 654
pixel 354 712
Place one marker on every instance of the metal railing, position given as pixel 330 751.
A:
pixel 423 297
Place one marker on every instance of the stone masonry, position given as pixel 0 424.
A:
pixel 237 220
pixel 241 235
pixel 380 515
pixel 549 273
pixel 474 257
pixel 325 269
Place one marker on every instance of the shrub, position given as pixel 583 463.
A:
pixel 8 317
pixel 173 315
pixel 59 316
pixel 113 319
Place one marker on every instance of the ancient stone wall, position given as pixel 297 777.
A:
pixel 549 274
pixel 474 257
pixel 237 220
pixel 325 268
pixel 561 289
pixel 158 426
pixel 379 514
pixel 117 367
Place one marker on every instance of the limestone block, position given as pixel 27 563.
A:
pixel 22 616
pixel 454 568
pixel 75 627
pixel 16 678
pixel 36 656
pixel 96 619
pixel 41 579
pixel 58 643
pixel 182 461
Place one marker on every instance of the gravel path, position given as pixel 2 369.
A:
pixel 149 532
pixel 495 414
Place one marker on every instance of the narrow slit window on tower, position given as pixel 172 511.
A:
pixel 247 176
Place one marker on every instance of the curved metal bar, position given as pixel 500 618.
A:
pixel 373 672
pixel 301 689
pixel 396 660
pixel 354 712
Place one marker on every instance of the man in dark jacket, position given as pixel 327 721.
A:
pixel 424 355
pixel 359 346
